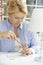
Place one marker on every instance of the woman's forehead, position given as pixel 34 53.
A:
pixel 20 14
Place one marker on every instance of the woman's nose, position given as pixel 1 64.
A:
pixel 19 19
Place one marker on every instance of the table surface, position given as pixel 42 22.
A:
pixel 18 59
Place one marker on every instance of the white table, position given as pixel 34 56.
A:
pixel 17 59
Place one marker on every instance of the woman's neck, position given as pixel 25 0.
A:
pixel 16 31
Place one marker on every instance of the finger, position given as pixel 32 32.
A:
pixel 23 52
pixel 13 34
pixel 9 37
pixel 27 53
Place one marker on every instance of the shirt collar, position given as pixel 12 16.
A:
pixel 21 26
pixel 9 25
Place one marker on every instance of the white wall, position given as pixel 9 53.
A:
pixel 24 1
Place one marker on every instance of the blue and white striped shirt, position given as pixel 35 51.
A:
pixel 25 36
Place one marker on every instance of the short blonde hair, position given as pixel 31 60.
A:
pixel 15 6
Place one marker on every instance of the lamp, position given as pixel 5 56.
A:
pixel 36 25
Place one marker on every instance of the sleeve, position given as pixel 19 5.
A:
pixel 0 32
pixel 33 38
pixel 34 43
pixel 0 45
pixel 0 26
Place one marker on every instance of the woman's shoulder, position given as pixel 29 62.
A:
pixel 2 25
pixel 26 27
pixel 2 22
pixel 25 24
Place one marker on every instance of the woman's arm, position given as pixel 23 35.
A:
pixel 34 42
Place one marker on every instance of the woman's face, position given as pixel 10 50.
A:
pixel 16 19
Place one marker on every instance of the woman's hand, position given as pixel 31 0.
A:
pixel 26 50
pixel 8 34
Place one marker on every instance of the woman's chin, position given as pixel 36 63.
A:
pixel 17 26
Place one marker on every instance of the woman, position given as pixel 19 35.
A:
pixel 14 28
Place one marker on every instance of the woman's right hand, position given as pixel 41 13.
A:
pixel 8 34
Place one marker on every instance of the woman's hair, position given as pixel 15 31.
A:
pixel 15 6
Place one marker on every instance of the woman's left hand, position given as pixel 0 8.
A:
pixel 26 50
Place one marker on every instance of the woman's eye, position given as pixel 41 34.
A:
pixel 16 18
